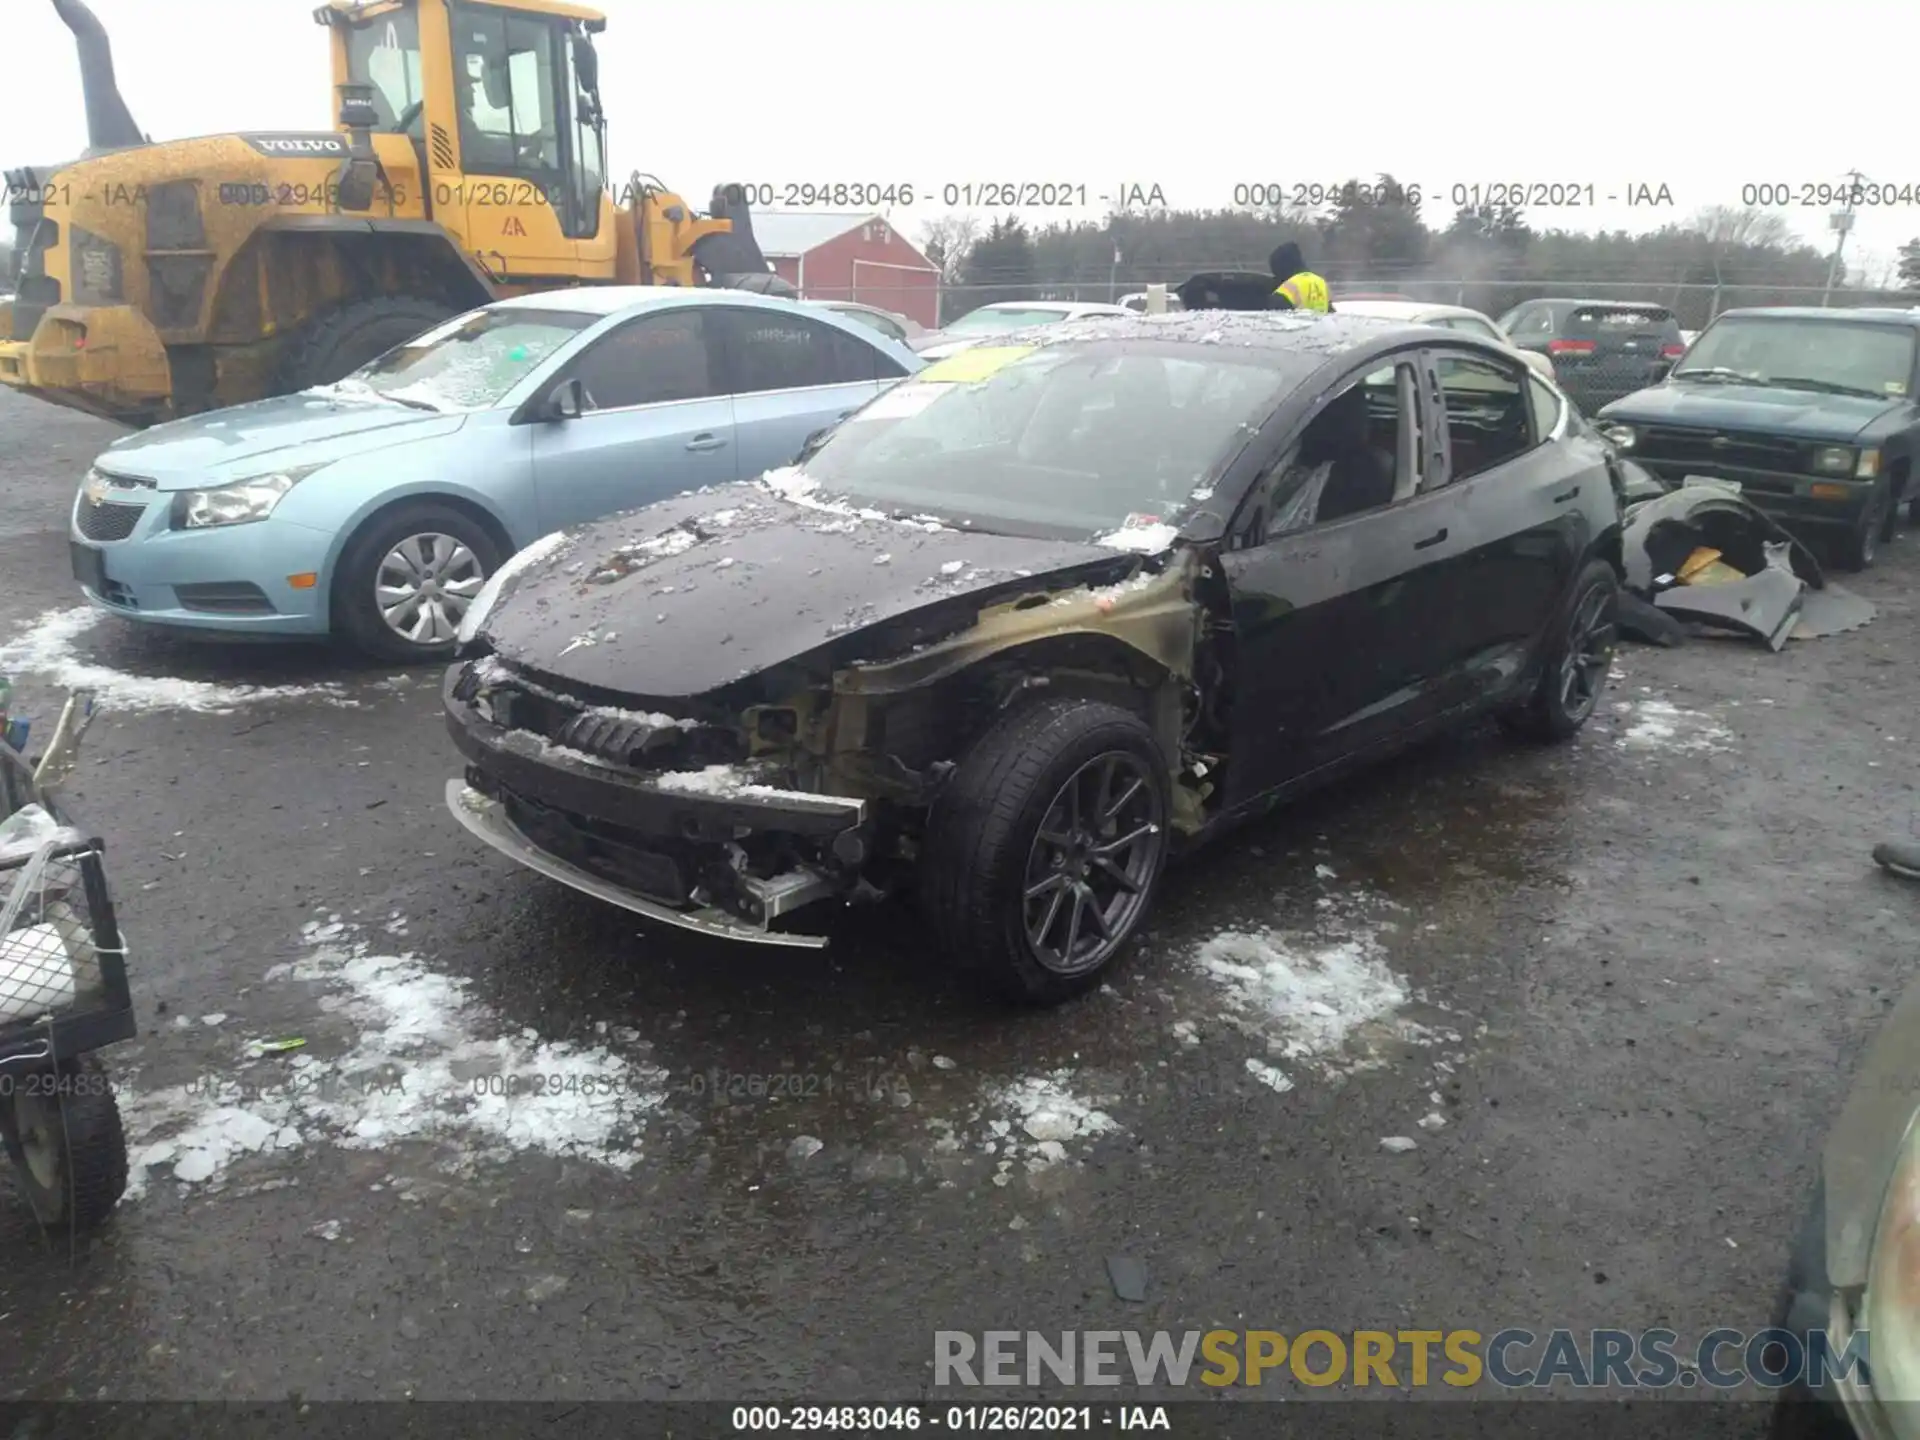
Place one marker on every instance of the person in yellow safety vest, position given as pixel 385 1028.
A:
pixel 1299 288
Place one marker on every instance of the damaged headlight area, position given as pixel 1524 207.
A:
pixel 240 502
pixel 1621 436
pixel 516 564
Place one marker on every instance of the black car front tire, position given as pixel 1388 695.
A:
pixel 1038 785
pixel 1574 672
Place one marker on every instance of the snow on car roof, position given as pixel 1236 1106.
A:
pixel 1255 329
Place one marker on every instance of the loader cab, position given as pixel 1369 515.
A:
pixel 502 104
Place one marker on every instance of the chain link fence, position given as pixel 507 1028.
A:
pixel 1693 304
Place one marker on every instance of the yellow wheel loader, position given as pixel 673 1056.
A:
pixel 155 280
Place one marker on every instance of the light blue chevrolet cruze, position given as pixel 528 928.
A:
pixel 376 508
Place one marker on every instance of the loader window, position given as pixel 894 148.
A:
pixel 385 53
pixel 509 121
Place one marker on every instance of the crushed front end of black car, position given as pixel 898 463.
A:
pixel 722 773
pixel 667 817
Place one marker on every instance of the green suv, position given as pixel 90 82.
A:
pixel 1810 413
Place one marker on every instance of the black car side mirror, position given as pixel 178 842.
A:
pixel 568 400
pixel 812 443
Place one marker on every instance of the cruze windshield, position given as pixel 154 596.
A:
pixel 1058 440
pixel 469 363
pixel 1831 355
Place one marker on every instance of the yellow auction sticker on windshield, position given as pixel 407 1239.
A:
pixel 971 366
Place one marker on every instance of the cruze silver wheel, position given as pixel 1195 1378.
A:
pixel 424 585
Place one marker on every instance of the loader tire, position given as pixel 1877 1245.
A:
pixel 339 341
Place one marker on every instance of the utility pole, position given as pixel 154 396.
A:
pixel 1841 222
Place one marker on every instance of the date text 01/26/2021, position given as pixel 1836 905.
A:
pixel 1461 194
pixel 902 1419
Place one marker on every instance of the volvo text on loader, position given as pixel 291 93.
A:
pixel 159 280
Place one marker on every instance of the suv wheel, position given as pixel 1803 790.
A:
pixel 1862 544
pixel 1044 851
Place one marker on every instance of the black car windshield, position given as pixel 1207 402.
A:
pixel 1840 356
pixel 1071 439
pixel 469 363
pixel 988 321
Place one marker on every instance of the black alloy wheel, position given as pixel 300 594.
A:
pixel 1089 868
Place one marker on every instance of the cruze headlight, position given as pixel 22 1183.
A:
pixel 1621 435
pixel 237 503
pixel 489 595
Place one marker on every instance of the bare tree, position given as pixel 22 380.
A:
pixel 1728 227
pixel 947 241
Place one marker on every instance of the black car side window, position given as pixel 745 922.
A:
pixel 1489 417
pixel 771 350
pixel 649 361
pixel 1357 454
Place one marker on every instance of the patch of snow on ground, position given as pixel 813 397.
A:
pixel 1034 1123
pixel 1320 997
pixel 47 649
pixel 1661 725
pixel 428 1064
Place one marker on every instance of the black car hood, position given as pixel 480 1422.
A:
pixel 682 598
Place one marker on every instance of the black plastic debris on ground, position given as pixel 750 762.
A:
pixel 1783 592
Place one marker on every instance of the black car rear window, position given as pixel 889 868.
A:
pixel 1606 320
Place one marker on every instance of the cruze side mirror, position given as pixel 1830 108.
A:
pixel 813 443
pixel 567 402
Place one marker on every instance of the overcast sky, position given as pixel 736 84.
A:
pixel 1698 96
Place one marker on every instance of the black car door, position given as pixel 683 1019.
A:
pixel 1325 578
pixel 1518 486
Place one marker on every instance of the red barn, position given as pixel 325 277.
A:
pixel 850 257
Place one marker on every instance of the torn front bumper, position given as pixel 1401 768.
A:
pixel 674 855
pixel 488 819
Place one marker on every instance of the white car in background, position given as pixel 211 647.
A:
pixel 1452 317
pixel 1001 318
pixel 895 327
